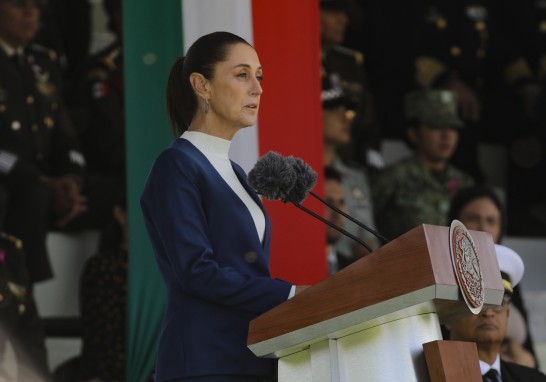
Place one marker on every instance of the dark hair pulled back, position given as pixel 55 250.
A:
pixel 202 57
pixel 464 197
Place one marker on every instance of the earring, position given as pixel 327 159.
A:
pixel 206 106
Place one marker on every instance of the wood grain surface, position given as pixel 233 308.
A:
pixel 416 260
pixel 452 361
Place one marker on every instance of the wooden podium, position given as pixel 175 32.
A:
pixel 369 321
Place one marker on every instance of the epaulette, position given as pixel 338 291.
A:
pixel 110 59
pixel 42 49
pixel 11 239
pixel 358 56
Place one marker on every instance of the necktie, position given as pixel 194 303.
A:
pixel 491 376
pixel 16 60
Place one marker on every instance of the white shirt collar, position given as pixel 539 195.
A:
pixel 208 144
pixel 10 51
pixel 485 366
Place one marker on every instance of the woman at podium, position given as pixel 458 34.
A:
pixel 209 231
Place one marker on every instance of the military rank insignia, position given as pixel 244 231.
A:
pixel 100 90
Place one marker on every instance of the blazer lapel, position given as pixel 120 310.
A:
pixel 506 375
pixel 242 178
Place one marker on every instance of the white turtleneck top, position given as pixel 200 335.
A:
pixel 216 150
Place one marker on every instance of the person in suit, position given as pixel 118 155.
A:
pixel 209 231
pixel 480 209
pixel 488 328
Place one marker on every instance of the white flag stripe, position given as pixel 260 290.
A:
pixel 201 17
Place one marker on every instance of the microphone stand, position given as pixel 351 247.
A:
pixel 350 218
pixel 327 222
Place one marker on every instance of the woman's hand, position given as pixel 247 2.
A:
pixel 301 288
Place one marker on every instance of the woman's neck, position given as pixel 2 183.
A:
pixel 213 125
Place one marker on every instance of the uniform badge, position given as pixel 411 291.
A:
pixel 476 13
pixel 358 194
pixel 43 84
pixel 100 90
pixel 466 265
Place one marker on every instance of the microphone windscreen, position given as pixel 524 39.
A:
pixel 271 174
pixel 306 179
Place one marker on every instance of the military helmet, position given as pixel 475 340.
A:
pixel 434 107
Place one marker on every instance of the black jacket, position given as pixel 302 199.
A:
pixel 36 133
pixel 512 372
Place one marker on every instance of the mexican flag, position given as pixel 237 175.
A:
pixel 285 34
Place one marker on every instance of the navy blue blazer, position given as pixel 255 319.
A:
pixel 200 232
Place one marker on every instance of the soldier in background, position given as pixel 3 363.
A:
pixel 348 66
pixel 419 189
pixel 98 106
pixel 461 46
pixel 41 165
pixel 527 143
pixel 337 114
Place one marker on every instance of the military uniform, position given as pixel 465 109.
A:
pixel 19 319
pixel 36 139
pixel 358 204
pixel 464 40
pixel 99 111
pixel 408 194
pixel 347 67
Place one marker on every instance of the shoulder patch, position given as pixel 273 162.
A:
pixel 42 49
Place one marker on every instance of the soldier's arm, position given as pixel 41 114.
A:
pixel 14 169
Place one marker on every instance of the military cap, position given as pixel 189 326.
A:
pixel 333 95
pixel 511 267
pixel 433 107
pixel 336 5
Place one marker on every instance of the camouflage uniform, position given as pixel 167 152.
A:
pixel 409 193
pixel 358 204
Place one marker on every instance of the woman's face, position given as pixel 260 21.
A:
pixel 482 215
pixel 235 89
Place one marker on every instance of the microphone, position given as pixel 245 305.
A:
pixel 274 177
pixel 303 186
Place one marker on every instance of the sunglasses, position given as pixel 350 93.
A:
pixel 24 3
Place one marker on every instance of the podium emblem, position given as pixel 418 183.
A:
pixel 466 264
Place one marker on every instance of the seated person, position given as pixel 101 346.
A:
pixel 488 328
pixel 19 321
pixel 418 190
pixel 337 115
pixel 335 196
pixel 480 209
pixel 41 165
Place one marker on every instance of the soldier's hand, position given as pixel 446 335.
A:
pixel 66 198
pixel 468 100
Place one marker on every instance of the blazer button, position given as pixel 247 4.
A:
pixel 2 108
pixel 251 257
pixel 30 100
